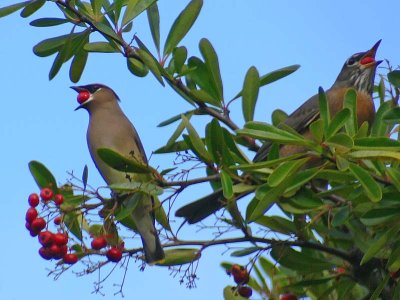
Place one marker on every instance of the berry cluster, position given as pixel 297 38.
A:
pixel 54 244
pixel 241 277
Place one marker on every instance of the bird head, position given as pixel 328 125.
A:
pixel 359 70
pixel 94 93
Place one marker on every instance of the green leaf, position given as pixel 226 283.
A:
pixel 372 188
pixel 135 8
pixel 201 76
pixel 128 27
pixel 7 10
pixel 50 46
pixel 394 78
pixel 264 131
pixel 32 7
pixel 379 127
pixel 128 206
pixel 160 214
pixel 175 118
pixel 122 163
pixel 250 93
pixel 212 64
pixel 85 175
pixel 102 47
pixel 300 261
pixel 106 30
pixel 340 216
pixel 378 244
pixel 136 67
pixel 70 47
pixel 173 148
pixel 381 286
pixel 285 170
pixel 152 64
pixel 274 76
pixel 394 174
pixel 278 116
pixel 195 141
pixel 341 142
pixel 182 25
pixel 180 56
pixel 227 184
pixel 217 146
pixel 268 195
pixel 78 65
pixel 324 109
pixel 278 74
pixel 42 176
pixel 277 224
pixel 350 102
pixel 376 143
pixel 338 122
pixel 317 130
pixel 75 222
pixel 134 186
pixel 179 256
pixel 379 216
pixel 47 22
pixel 153 17
pixel 392 115
pixel 374 154
pixel 246 251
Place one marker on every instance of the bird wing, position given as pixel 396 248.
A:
pixel 299 120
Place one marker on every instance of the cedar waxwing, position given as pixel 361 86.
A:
pixel 358 72
pixel 110 128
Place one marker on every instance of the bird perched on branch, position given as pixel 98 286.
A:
pixel 110 128
pixel 358 72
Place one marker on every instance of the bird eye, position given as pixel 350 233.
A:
pixel 351 61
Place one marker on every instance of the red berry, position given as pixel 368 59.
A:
pixel 58 199
pixel 289 296
pixel 60 239
pixel 114 254
pixel 33 200
pixel 38 225
pixel 395 274
pixel 99 243
pixel 56 251
pixel 236 269
pixel 245 291
pixel 340 270
pixel 33 233
pixel 31 214
pixel 28 226
pixel 240 274
pixel 64 249
pixel 70 258
pixel 45 253
pixel 83 96
pixel 57 220
pixel 46 194
pixel 46 238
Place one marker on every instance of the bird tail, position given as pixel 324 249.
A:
pixel 144 221
pixel 202 208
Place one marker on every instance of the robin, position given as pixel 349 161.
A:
pixel 358 72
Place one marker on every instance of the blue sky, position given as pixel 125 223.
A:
pixel 37 119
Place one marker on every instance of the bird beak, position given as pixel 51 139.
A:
pixel 370 54
pixel 79 89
